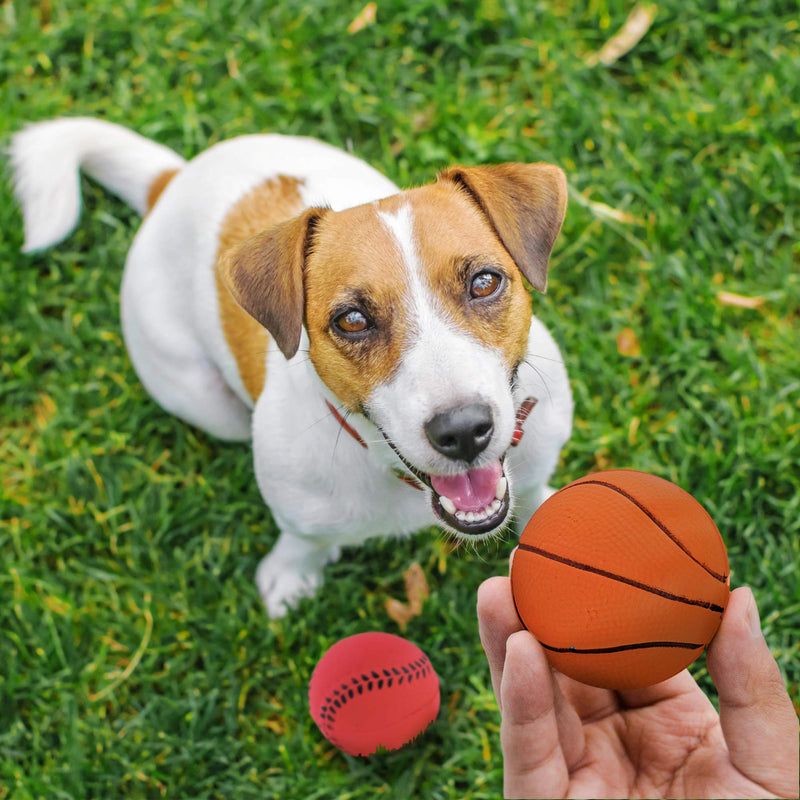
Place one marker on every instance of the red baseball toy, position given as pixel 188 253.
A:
pixel 622 577
pixel 373 691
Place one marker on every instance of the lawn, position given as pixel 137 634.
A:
pixel 135 657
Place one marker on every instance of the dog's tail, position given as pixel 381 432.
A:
pixel 46 158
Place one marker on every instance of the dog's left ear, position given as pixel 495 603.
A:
pixel 524 203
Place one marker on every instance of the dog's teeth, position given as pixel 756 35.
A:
pixel 447 504
pixel 501 488
pixel 472 517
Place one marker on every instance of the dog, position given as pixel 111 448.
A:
pixel 377 346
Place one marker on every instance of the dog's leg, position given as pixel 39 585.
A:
pixel 291 571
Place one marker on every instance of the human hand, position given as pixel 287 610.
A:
pixel 561 738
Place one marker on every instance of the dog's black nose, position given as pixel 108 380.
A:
pixel 462 432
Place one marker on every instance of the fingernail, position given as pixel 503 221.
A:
pixel 753 620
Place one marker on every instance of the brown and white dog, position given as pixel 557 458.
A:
pixel 377 345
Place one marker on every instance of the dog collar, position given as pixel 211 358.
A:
pixel 522 414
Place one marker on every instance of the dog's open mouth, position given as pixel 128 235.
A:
pixel 472 503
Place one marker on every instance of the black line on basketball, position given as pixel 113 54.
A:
pixel 655 520
pixel 620 648
pixel 621 578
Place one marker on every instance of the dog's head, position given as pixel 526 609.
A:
pixel 418 317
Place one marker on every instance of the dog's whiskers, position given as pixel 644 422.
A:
pixel 545 358
pixel 338 437
pixel 306 360
pixel 543 377
pixel 316 422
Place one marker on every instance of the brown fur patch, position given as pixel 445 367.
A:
pixel 455 242
pixel 269 204
pixel 355 262
pixel 158 185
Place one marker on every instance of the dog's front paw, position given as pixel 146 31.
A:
pixel 292 571
pixel 281 587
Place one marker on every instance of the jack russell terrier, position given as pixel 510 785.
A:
pixel 376 345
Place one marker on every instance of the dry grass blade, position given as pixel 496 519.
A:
pixel 364 18
pixel 604 211
pixel 627 37
pixel 738 300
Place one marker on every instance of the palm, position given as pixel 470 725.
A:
pixel 672 747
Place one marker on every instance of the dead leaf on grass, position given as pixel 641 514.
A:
pixel 628 343
pixel 417 593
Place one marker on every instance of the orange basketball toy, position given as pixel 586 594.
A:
pixel 622 577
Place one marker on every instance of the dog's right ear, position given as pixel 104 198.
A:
pixel 264 274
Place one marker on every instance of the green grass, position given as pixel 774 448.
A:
pixel 136 659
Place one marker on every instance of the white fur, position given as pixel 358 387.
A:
pixel 323 488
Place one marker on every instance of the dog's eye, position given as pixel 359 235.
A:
pixel 352 322
pixel 485 284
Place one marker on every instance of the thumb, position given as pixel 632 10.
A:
pixel 757 717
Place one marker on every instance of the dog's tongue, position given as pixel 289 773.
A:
pixel 472 490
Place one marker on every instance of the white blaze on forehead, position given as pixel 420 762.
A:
pixel 401 226
pixel 443 365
